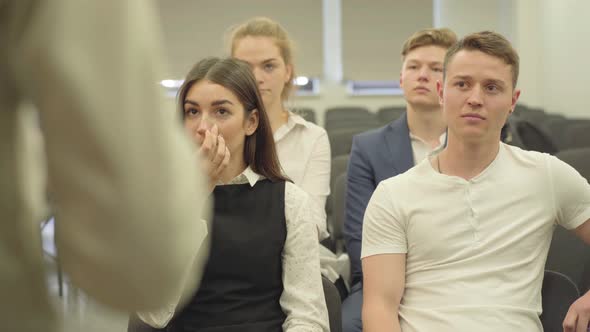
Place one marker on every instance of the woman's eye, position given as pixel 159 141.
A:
pixel 191 111
pixel 222 111
pixel 269 66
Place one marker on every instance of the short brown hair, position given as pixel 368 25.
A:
pixel 443 37
pixel 266 27
pixel 488 42
pixel 235 75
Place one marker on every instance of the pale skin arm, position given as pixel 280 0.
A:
pixel 383 287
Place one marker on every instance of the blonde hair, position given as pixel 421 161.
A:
pixel 266 27
pixel 443 37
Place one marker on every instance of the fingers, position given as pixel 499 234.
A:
pixel 220 153
pixel 569 323
pixel 223 165
pixel 214 133
pixel 582 325
pixel 209 147
pixel 206 145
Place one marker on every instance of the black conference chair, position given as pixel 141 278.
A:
pixel 387 115
pixel 558 293
pixel 346 112
pixel 338 207
pixel 578 159
pixel 343 124
pixel 577 135
pixel 561 259
pixel 338 166
pixel 533 137
pixel 333 303
pixel 341 140
pixel 347 117
pixel 556 128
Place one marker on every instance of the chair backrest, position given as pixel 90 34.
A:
pixel 365 123
pixel 536 116
pixel 354 112
pixel 346 117
pixel 534 138
pixel 558 293
pixel 338 206
pixel 386 115
pixel 578 159
pixel 561 259
pixel 338 166
pixel 334 305
pixel 556 127
pixel 341 139
pixel 577 135
pixel 576 266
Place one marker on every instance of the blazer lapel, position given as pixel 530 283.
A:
pixel 397 139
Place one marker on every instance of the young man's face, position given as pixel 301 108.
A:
pixel 421 69
pixel 477 96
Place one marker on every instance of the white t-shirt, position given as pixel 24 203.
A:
pixel 475 250
pixel 303 149
pixel 422 149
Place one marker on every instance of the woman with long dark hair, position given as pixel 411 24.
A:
pixel 263 272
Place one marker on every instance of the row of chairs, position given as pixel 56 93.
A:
pixel 531 129
pixel 338 117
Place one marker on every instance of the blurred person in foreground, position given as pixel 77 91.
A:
pixel 128 226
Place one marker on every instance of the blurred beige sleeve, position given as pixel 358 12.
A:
pixel 124 178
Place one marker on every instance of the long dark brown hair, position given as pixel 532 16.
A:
pixel 235 75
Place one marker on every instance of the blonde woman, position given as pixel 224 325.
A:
pixel 303 147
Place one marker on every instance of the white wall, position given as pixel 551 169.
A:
pixel 528 40
pixel 551 38
pixel 566 49
pixel 467 16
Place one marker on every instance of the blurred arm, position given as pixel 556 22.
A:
pixel 124 179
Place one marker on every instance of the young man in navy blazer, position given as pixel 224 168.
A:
pixel 391 150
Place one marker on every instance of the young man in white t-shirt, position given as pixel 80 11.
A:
pixel 459 242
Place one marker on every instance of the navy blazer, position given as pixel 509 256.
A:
pixel 375 156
